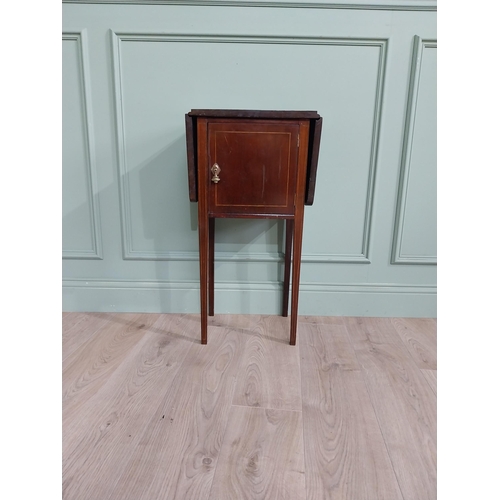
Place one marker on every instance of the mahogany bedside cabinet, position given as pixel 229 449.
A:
pixel 251 164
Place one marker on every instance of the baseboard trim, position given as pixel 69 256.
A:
pixel 325 299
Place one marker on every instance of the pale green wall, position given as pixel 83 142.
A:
pixel 130 73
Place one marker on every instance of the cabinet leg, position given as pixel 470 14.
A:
pixel 204 244
pixel 297 251
pixel 288 262
pixel 211 255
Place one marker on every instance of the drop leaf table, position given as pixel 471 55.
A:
pixel 251 164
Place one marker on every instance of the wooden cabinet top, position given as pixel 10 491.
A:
pixel 252 113
pixel 260 116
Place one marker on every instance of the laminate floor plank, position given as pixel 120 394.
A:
pixel 98 439
pixel 178 452
pixel 78 328
pixel 404 404
pixel 82 321
pixel 431 377
pixel 161 333
pixel 324 320
pixel 87 369
pixel 262 456
pixel 70 319
pixel 269 373
pixel 373 331
pixel 346 456
pixel 420 337
pixel 151 414
pixel 247 325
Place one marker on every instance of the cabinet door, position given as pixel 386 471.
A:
pixel 258 167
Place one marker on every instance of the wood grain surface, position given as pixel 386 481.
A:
pixel 404 403
pixel 346 457
pixel 269 372
pixel 151 414
pixel 327 320
pixel 262 456
pixel 431 377
pixel 79 328
pixel 98 439
pixel 177 454
pixel 88 368
pixel 419 335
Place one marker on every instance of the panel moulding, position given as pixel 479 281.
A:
pixel 96 253
pixel 124 188
pixel 406 5
pixel 419 45
pixel 250 257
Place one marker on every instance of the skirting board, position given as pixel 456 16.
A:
pixel 377 300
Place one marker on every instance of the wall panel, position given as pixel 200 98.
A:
pixel 80 208
pixel 152 145
pixel 154 61
pixel 416 225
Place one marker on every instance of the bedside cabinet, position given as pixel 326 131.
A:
pixel 251 164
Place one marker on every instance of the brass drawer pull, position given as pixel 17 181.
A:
pixel 216 171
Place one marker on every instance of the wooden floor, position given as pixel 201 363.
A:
pixel 151 414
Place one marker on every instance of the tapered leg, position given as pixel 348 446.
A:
pixel 203 224
pixel 297 252
pixel 211 254
pixel 288 262
pixel 203 233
